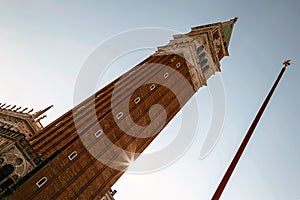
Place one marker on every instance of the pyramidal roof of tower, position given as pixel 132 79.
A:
pixel 227 29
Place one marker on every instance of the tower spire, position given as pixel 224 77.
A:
pixel 39 113
pixel 246 139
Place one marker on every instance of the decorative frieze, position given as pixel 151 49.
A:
pixel 195 50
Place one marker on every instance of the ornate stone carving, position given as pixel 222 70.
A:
pixel 218 44
pixel 10 154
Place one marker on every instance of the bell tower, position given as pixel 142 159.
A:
pixel 86 150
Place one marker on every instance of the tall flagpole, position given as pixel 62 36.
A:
pixel 242 147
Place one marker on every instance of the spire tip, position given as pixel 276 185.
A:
pixel 287 63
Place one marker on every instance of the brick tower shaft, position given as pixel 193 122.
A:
pixel 86 150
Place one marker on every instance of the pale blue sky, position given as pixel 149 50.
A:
pixel 43 45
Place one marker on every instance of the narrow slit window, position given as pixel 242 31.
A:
pixel 152 87
pixel 99 95
pixel 137 100
pixel 57 124
pixel 119 115
pixel 166 75
pixel 41 182
pixel 82 107
pixel 98 133
pixel 72 155
pixel 178 65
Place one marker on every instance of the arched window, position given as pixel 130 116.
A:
pixel 98 133
pixel 1 160
pixel 119 115
pixel 41 182
pixel 152 87
pixel 203 62
pixel 72 155
pixel 5 171
pixel 19 161
pixel 137 100
pixel 166 75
